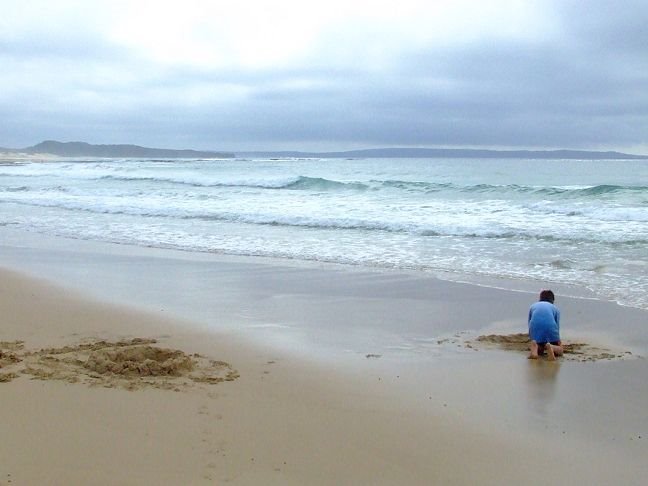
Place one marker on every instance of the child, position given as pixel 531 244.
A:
pixel 544 327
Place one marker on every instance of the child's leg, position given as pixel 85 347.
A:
pixel 533 347
pixel 551 356
pixel 557 348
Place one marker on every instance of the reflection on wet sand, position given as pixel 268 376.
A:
pixel 542 379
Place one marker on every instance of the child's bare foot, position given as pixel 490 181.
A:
pixel 534 350
pixel 551 356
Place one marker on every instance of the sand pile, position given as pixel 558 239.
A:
pixel 139 361
pixel 8 354
pixel 130 364
pixel 574 351
pixel 8 358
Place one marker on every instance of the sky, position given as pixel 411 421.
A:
pixel 326 75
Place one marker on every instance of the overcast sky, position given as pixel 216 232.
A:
pixel 247 75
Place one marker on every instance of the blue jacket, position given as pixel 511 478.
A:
pixel 544 322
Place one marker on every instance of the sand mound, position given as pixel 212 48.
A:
pixel 573 351
pixel 139 361
pixel 8 358
pixel 11 345
pixel 130 364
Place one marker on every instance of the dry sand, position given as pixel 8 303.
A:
pixel 128 363
pixel 93 393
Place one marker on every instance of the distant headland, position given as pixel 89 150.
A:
pixel 83 149
pixel 423 153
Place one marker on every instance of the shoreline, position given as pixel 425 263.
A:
pixel 291 293
pixel 432 413
pixel 529 285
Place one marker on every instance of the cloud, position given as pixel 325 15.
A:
pixel 247 74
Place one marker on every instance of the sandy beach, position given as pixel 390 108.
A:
pixel 304 243
pixel 98 388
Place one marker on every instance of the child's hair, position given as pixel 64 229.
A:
pixel 547 296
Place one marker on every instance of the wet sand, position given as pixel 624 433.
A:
pixel 99 392
pixel 573 350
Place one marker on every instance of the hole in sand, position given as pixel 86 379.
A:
pixel 574 351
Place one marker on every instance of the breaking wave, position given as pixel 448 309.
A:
pixel 323 185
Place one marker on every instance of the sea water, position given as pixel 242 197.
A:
pixel 575 222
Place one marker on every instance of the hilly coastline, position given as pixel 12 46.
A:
pixel 83 149
pixel 423 153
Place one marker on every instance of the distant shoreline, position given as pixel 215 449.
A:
pixel 423 153
pixel 52 148
pixel 83 149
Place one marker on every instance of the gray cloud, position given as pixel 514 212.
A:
pixel 585 85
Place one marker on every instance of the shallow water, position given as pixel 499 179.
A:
pixel 582 223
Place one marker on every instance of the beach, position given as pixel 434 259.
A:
pixel 263 403
pixel 291 243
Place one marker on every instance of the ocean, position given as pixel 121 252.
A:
pixel 573 222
